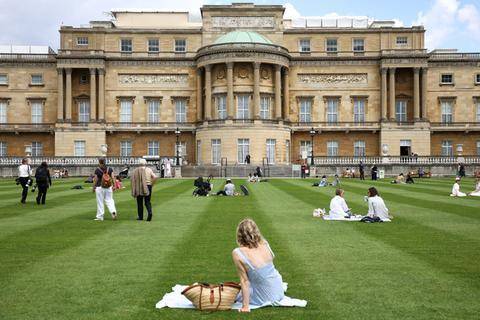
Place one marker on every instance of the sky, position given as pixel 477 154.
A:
pixel 450 24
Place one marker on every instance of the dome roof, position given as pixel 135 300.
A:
pixel 242 37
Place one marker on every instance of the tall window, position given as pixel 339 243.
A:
pixel 3 111
pixel 332 45
pixel 447 111
pixel 401 111
pixel 83 111
pixel 79 148
pixel 37 149
pixel 305 110
pixel 358 45
pixel 125 148
pixel 153 110
pixel 243 108
pixel 182 149
pixel 126 45
pixel 37 79
pixel 180 45
pixel 359 148
pixel 221 101
pixel 216 151
pixel 478 110
pixel 243 148
pixel 153 46
pixel 3 149
pixel 332 110
pixel 478 148
pixel 447 148
pixel 287 150
pixel 199 152
pixel 126 110
pixel 305 45
pixel 181 110
pixel 332 148
pixel 3 79
pixel 358 110
pixel 271 150
pixel 153 148
pixel 305 149
pixel 82 41
pixel 37 111
pixel 265 107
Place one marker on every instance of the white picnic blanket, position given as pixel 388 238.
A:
pixel 355 218
pixel 176 299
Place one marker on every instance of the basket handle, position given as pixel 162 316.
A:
pixel 200 299
pixel 220 289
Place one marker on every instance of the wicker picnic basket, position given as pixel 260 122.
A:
pixel 212 297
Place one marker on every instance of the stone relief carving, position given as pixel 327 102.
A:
pixel 243 22
pixel 221 73
pixel 153 79
pixel 333 79
pixel 243 73
pixel 265 74
pixel 333 62
pixel 182 63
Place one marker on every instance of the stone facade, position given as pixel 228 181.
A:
pixel 146 75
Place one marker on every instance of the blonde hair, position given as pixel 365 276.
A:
pixel 248 234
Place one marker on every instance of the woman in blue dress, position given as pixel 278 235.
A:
pixel 261 283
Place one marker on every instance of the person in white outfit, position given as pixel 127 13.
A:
pixel 376 206
pixel 103 182
pixel 456 189
pixel 24 173
pixel 476 192
pixel 338 206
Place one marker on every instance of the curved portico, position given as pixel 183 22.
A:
pixel 241 79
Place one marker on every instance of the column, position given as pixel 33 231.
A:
pixel 230 100
pixel 93 94
pixel 68 94
pixel 101 95
pixel 199 95
pixel 286 95
pixel 424 93
pixel 60 95
pixel 278 92
pixel 384 93
pixel 416 94
pixel 256 90
pixel 208 92
pixel 392 93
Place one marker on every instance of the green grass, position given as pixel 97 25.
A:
pixel 57 263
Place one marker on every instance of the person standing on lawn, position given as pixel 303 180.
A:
pixel 142 180
pixel 43 181
pixel 103 182
pixel 24 172
pixel 361 169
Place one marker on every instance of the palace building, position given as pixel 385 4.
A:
pixel 242 81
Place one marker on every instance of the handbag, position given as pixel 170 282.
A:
pixel 212 297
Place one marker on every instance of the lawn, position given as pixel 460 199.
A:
pixel 57 263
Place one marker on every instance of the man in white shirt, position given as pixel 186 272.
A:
pixel 338 206
pixel 456 189
pixel 228 190
pixel 376 206
pixel 24 172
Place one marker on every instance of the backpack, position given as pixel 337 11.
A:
pixel 41 175
pixel 106 181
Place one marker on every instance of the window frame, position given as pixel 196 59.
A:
pixel 180 110
pixel 332 148
pixel 150 46
pixel 305 48
pixel 447 148
pixel 82 43
pixel 478 147
pixel 152 115
pixel 359 148
pixel 176 45
pixel 332 114
pixel 126 148
pixel 216 153
pixel 305 112
pixel 36 117
pixel 401 43
pixel 36 83
pixel 37 149
pixel 243 149
pixel 305 146
pixel 152 146
pixel 329 47
pixel 125 117
pixel 6 79
pixel 477 105
pixel 446 117
pixel 401 110
pixel 76 148
pixel 83 79
pixel 363 45
pixel 3 111
pixel 443 83
pixel 221 106
pixel 243 106
pixel 477 79
pixel 265 107
pixel 122 46
pixel 271 150
pixel 3 149
pixel 359 103
pixel 83 109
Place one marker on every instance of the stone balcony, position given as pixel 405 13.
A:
pixel 27 127
pixel 335 126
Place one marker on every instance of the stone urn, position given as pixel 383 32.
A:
pixel 385 150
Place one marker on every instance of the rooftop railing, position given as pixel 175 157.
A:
pixel 397 160
pixel 455 56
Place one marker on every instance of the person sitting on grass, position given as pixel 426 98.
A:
pixel 409 179
pixel 336 181
pixel 399 180
pixel 261 283
pixel 456 189
pixel 228 190
pixel 338 206
pixel 476 192
pixel 377 210
pixel 323 182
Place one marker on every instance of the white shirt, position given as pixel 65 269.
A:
pixel 338 207
pixel 377 208
pixel 24 171
pixel 229 189
pixel 456 189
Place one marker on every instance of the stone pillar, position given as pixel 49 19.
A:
pixel 416 94
pixel 60 95
pixel 68 95
pixel 230 99
pixel 208 92
pixel 199 95
pixel 101 95
pixel 392 93
pixel 93 94
pixel 278 92
pixel 286 95
pixel 256 90
pixel 384 93
pixel 424 94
